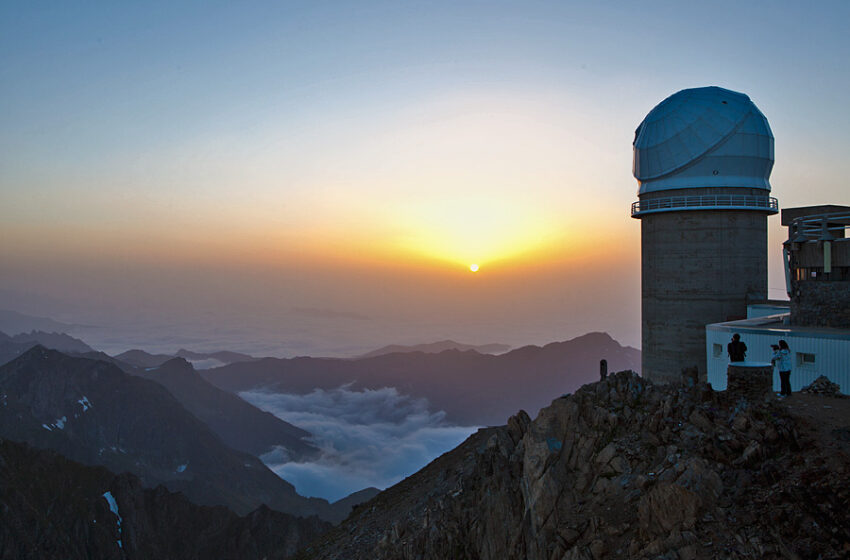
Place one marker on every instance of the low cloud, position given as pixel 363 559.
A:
pixel 368 438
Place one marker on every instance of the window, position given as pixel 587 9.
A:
pixel 717 350
pixel 805 360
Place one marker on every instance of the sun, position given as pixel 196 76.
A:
pixel 473 267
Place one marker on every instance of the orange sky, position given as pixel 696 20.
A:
pixel 165 163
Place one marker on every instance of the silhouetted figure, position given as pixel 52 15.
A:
pixel 736 349
pixel 782 359
pixel 603 369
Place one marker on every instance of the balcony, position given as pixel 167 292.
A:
pixel 766 204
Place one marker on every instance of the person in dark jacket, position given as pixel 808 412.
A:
pixel 736 349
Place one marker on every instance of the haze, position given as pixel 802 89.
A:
pixel 301 178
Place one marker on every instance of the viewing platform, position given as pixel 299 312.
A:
pixel 766 204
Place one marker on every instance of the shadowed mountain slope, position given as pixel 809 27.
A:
pixel 240 425
pixel 472 388
pixel 9 349
pixel 51 507
pixel 94 413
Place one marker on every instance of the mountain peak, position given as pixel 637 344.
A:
pixel 621 469
pixel 177 364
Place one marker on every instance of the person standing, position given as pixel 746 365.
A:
pixel 782 358
pixel 736 349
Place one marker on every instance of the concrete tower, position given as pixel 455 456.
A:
pixel 702 158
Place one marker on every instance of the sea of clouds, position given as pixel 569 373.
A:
pixel 367 437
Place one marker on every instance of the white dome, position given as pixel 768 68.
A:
pixel 703 137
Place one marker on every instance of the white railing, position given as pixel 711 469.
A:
pixel 706 202
pixel 814 227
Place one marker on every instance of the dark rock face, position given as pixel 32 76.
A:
pixel 621 469
pixel 94 413
pixel 51 507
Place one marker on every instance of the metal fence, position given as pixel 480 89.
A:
pixel 706 202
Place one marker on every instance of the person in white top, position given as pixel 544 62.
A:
pixel 782 358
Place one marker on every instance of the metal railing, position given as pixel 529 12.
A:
pixel 820 227
pixel 706 202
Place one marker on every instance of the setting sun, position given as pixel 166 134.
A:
pixel 473 267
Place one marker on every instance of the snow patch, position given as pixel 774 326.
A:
pixel 113 507
pixel 182 468
pixel 60 422
pixel 46 427
pixel 85 403
pixel 151 368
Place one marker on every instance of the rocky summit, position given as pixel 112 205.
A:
pixel 620 469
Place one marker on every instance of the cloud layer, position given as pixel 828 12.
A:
pixel 368 438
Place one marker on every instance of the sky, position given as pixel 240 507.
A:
pixel 317 177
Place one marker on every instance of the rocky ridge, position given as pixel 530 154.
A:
pixel 620 469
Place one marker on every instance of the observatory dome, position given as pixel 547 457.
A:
pixel 703 137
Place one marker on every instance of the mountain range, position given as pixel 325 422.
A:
pixel 13 346
pixel 239 424
pixel 472 388
pixel 437 347
pixel 142 359
pixel 15 322
pixel 93 412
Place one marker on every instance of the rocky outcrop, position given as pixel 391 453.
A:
pixel 823 386
pixel 620 469
pixel 51 507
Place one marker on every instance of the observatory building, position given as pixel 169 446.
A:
pixel 702 159
pixel 815 322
